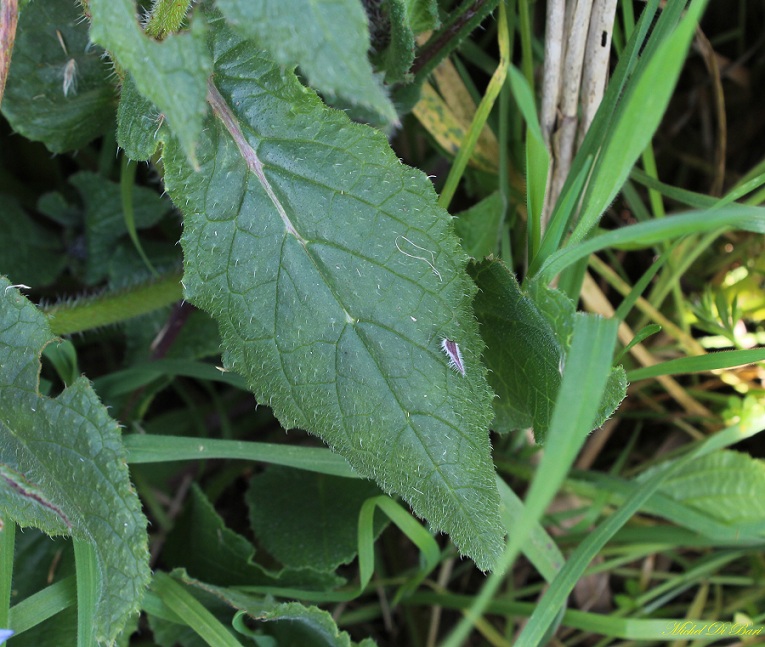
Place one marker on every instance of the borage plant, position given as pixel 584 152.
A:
pixel 345 297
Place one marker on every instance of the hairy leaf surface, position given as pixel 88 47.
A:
pixel 62 465
pixel 329 41
pixel 172 74
pixel 528 335
pixel 334 276
pixel 396 59
pixel 58 88
pixel 139 123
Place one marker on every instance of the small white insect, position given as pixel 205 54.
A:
pixel 70 77
pixel 70 68
pixel 452 351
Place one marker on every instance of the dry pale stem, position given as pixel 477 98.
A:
pixel 9 16
pixel 577 47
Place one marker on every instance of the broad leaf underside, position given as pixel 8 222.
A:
pixel 334 276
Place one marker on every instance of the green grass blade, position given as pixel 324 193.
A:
pixel 481 115
pixel 414 531
pixel 540 549
pixel 43 605
pixel 645 234
pixel 605 625
pixel 556 595
pixel 560 216
pixel 637 118
pixel 429 550
pixel 715 530
pixel 689 198
pixel 87 592
pixel 7 544
pixel 584 379
pixel 710 362
pixel 157 449
pixel 127 181
pixel 135 377
pixel 635 293
pixel 644 333
pixel 537 158
pixel 193 613
pixel 155 606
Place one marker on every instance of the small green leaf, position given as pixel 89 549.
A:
pixel 329 42
pixel 139 123
pixel 171 74
pixel 396 59
pixel 307 519
pixel 202 544
pixel 528 335
pixel 334 276
pixel 105 222
pixel 292 623
pixel 56 207
pixel 726 486
pixel 185 606
pixel 63 466
pixel 58 88
pixel 423 15
pixel 296 624
pixel 479 226
pixel 29 253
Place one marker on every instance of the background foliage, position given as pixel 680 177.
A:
pixel 352 184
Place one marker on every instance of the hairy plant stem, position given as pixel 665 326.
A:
pixel 166 17
pixel 111 308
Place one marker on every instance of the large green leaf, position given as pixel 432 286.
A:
pixel 58 89
pixel 171 74
pixel 62 465
pixel 528 334
pixel 334 276
pixel 328 40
